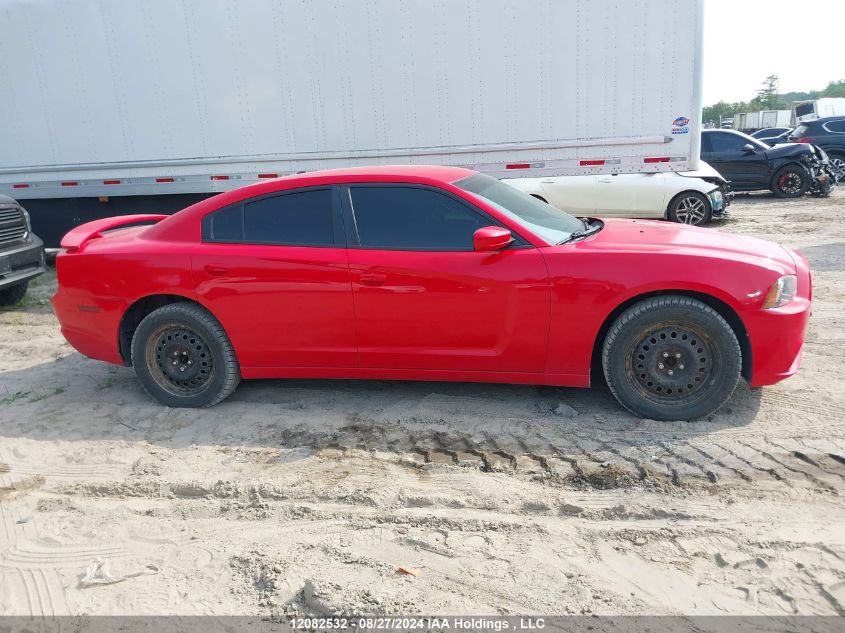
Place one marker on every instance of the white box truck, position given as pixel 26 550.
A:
pixel 817 108
pixel 127 107
pixel 775 118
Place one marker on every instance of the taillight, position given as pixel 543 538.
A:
pixel 802 139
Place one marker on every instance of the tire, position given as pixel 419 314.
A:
pixel 690 207
pixel 791 181
pixel 183 357
pixel 671 358
pixel 13 294
pixel 837 162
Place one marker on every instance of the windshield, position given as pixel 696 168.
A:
pixel 540 218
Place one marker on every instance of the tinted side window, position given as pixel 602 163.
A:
pixel 407 218
pixel 706 145
pixel 302 218
pixel 727 142
pixel 835 126
pixel 225 225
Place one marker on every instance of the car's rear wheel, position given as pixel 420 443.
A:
pixel 791 181
pixel 690 207
pixel 13 294
pixel 183 357
pixel 671 358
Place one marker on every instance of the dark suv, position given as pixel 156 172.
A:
pixel 788 170
pixel 827 133
pixel 21 252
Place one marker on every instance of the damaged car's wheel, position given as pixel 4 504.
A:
pixel 791 181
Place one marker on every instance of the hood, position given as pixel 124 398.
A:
pixel 704 171
pixel 784 150
pixel 651 236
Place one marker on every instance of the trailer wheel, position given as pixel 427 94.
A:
pixel 671 358
pixel 791 181
pixel 689 207
pixel 12 295
pixel 183 357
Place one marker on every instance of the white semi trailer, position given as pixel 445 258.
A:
pixel 126 107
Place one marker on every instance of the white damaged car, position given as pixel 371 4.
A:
pixel 690 197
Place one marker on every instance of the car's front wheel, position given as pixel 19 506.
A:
pixel 183 357
pixel 791 181
pixel 690 207
pixel 671 358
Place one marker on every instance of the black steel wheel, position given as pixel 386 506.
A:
pixel 183 357
pixel 179 359
pixel 791 181
pixel 690 207
pixel 671 358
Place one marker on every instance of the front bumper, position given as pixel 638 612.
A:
pixel 720 199
pixel 777 335
pixel 22 263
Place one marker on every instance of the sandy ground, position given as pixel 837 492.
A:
pixel 310 496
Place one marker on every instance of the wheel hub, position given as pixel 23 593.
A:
pixel 690 211
pixel 790 182
pixel 671 362
pixel 182 359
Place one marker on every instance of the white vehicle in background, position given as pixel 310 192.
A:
pixel 691 197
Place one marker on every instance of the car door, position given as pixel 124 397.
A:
pixel 725 152
pixel 424 299
pixel 573 194
pixel 273 270
pixel 630 195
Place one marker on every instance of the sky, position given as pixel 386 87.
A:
pixel 745 41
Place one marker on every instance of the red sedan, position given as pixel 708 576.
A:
pixel 429 273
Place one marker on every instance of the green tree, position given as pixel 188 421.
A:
pixel 834 89
pixel 712 115
pixel 767 97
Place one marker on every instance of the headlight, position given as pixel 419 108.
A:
pixel 781 292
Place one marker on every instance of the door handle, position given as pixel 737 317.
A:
pixel 372 280
pixel 216 271
pixel 548 181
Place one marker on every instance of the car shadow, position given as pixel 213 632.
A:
pixel 75 399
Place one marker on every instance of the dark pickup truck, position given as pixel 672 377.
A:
pixel 21 252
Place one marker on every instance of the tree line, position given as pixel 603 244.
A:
pixel 768 98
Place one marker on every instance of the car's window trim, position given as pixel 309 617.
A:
pixel 338 234
pixel 353 240
pixel 832 131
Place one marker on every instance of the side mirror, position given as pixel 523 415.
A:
pixel 748 148
pixel 491 238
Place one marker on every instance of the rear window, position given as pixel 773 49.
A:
pixel 225 225
pixel 300 218
pixel 801 130
pixel 294 219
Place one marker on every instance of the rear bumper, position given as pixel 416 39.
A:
pixel 90 328
pixel 25 262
